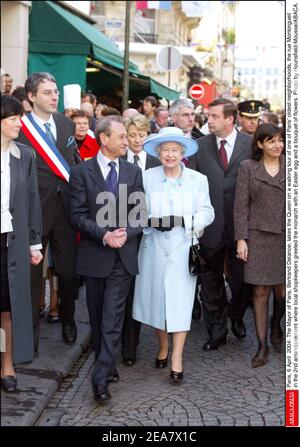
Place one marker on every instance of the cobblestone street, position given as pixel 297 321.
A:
pixel 220 388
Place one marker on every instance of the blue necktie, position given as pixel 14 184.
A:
pixel 49 133
pixel 112 178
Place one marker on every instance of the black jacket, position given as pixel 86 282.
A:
pixel 151 162
pixel 48 182
pixel 221 182
pixel 86 183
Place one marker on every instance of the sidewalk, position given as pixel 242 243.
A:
pixel 40 379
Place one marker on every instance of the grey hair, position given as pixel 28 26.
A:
pixel 104 126
pixel 158 147
pixel 180 103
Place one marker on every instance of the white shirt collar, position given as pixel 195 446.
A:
pixel 142 156
pixel 230 139
pixel 104 164
pixel 41 122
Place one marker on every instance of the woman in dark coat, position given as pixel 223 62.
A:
pixel 20 242
pixel 259 220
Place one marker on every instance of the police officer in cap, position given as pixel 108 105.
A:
pixel 249 112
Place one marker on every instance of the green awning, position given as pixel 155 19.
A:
pixel 61 43
pixel 163 91
pixel 53 29
pixel 139 86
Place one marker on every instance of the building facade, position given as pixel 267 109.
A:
pixel 14 39
pixel 150 31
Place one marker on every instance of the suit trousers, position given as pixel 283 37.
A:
pixel 131 328
pixel 63 250
pixel 106 300
pixel 213 292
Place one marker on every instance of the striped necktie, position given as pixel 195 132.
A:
pixel 49 133
pixel 223 154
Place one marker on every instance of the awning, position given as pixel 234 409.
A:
pixel 62 43
pixel 53 29
pixel 162 91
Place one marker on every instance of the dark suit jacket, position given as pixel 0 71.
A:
pixel 221 183
pixel 86 182
pixel 151 162
pixel 48 182
pixel 196 133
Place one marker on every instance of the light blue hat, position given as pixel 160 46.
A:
pixel 167 134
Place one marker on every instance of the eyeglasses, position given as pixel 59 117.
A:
pixel 50 92
pixel 187 115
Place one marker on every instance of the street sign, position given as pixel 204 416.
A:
pixel 114 24
pixel 196 91
pixel 169 58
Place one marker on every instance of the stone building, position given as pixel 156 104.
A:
pixel 151 30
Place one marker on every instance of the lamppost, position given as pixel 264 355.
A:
pixel 126 58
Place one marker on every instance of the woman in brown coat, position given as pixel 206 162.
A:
pixel 259 230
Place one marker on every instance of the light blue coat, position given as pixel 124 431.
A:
pixel 164 288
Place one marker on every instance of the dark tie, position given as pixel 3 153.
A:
pixel 185 161
pixel 223 154
pixel 136 160
pixel 49 133
pixel 112 178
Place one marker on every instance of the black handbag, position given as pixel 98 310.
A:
pixel 198 257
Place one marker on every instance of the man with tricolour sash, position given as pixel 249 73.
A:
pixel 51 135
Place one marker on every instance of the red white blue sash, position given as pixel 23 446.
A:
pixel 45 148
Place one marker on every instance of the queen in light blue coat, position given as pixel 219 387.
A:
pixel 177 200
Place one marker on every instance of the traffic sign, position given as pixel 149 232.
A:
pixel 196 91
pixel 169 58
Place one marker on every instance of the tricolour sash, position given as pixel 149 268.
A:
pixel 45 148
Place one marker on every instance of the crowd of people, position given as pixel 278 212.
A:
pixel 115 201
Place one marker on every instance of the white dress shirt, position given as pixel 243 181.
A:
pixel 41 123
pixel 104 164
pixel 142 158
pixel 6 217
pixel 230 142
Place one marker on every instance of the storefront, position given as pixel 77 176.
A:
pixel 75 52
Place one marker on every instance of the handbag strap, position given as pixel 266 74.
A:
pixel 193 232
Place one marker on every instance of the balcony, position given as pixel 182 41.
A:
pixel 145 37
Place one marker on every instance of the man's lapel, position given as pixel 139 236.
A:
pixel 96 174
pixel 212 148
pixel 123 173
pixel 60 132
pixel 239 147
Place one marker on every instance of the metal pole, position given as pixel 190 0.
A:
pixel 169 66
pixel 126 58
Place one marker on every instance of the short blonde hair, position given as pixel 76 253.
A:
pixel 138 120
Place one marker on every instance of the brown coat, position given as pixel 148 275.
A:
pixel 259 199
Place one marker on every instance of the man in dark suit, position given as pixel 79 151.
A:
pixel 102 209
pixel 57 130
pixel 138 128
pixel 219 156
